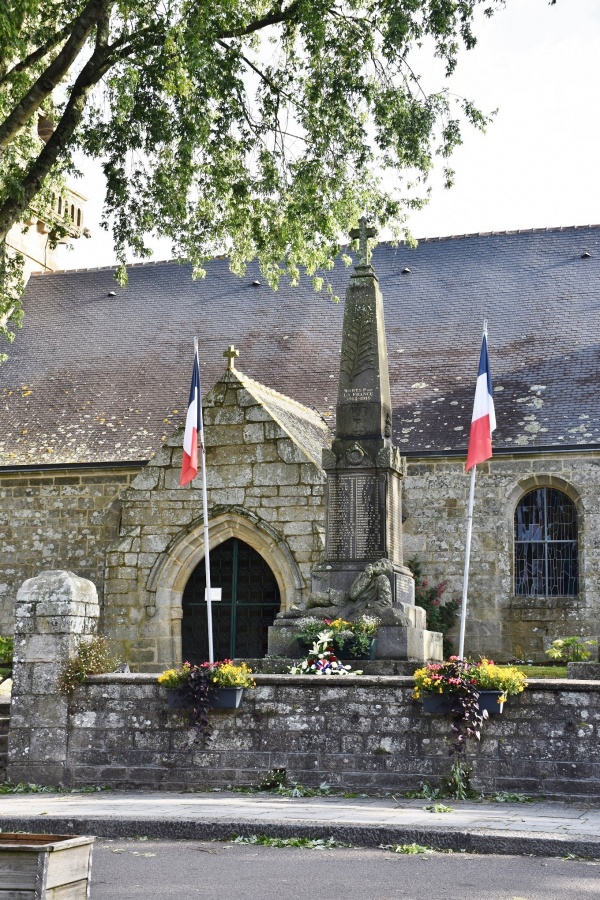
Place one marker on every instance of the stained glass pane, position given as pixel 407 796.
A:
pixel 529 569
pixel 562 569
pixel 561 517
pixel 529 517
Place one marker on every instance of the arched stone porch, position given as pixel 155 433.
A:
pixel 173 568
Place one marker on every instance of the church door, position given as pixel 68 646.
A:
pixel 249 604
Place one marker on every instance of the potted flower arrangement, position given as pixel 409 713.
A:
pixel 443 686
pixel 350 640
pixel 218 685
pixel 322 659
pixel 496 683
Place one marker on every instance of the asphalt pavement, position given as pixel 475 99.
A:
pixel 170 870
pixel 541 828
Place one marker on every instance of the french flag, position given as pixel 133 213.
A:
pixel 193 428
pixel 484 417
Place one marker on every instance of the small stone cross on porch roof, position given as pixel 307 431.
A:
pixel 230 355
pixel 363 233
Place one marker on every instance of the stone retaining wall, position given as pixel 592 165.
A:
pixel 361 733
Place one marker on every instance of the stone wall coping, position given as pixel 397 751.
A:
pixel 537 684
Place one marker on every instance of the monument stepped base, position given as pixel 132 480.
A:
pixel 281 666
pixel 394 642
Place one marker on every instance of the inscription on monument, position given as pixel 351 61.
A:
pixel 354 518
pixel 360 394
pixel 394 519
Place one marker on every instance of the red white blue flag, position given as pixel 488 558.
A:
pixel 484 417
pixel 192 439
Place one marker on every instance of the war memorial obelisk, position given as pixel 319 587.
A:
pixel 364 470
pixel 363 569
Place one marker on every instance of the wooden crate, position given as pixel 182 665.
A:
pixel 45 867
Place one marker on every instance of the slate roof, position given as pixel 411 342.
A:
pixel 94 377
pixel 306 427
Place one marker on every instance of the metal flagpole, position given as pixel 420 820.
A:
pixel 463 608
pixel 211 655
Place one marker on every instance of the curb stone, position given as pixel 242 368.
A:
pixel 514 843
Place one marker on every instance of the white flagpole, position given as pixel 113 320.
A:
pixel 211 655
pixel 463 608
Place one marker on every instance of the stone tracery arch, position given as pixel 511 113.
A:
pixel 173 568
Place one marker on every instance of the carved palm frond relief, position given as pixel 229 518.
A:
pixel 358 353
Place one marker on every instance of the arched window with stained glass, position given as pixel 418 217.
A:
pixel 546 550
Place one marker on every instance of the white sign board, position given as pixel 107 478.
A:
pixel 215 594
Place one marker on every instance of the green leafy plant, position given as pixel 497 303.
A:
pixel 93 657
pixel 408 848
pixel 439 808
pixel 570 649
pixel 273 780
pixel 506 797
pixel 458 783
pixel 440 615
pixel 228 126
pixel 425 791
pixel 7 647
pixel 264 840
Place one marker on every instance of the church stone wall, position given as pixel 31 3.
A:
pixel 56 519
pixel 256 474
pixel 499 623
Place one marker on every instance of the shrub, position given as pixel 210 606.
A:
pixel 440 616
pixel 7 646
pixel 92 658
pixel 570 649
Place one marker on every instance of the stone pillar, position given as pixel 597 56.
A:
pixel 54 612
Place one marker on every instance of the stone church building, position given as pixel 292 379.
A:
pixel 93 399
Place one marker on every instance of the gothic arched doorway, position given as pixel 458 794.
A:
pixel 250 602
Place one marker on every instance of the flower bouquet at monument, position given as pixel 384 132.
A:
pixel 351 640
pixel 322 659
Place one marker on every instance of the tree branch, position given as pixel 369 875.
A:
pixel 14 207
pixel 55 72
pixel 37 54
pixel 275 17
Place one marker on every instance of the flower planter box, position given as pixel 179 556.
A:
pixel 225 697
pixel 176 700
pixel 488 700
pixel 45 866
pixel 218 698
pixel 438 703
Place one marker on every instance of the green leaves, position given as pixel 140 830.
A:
pixel 247 127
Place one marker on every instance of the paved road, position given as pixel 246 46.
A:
pixel 186 869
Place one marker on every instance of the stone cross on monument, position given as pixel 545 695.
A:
pixel 362 235
pixel 230 355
